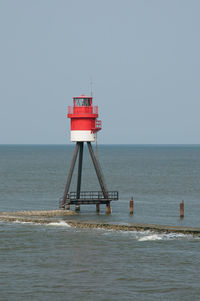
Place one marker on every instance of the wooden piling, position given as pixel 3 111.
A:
pixel 182 209
pixel 131 205
pixel 67 207
pixel 97 208
pixel 77 208
pixel 108 208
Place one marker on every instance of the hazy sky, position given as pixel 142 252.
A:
pixel 143 58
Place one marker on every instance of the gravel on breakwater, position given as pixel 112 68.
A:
pixel 49 216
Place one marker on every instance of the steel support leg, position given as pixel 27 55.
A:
pixel 78 190
pixel 98 170
pixel 70 175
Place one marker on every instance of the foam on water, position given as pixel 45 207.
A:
pixel 170 236
pixel 22 223
pixel 57 224
pixel 151 236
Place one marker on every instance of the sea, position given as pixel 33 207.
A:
pixel 48 262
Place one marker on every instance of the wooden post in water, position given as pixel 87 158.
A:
pixel 77 208
pixel 97 208
pixel 67 206
pixel 108 208
pixel 182 209
pixel 131 205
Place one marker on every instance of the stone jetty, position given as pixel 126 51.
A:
pixel 51 216
pixel 137 227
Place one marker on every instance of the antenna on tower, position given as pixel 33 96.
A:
pixel 91 87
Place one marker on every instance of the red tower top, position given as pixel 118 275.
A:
pixel 84 123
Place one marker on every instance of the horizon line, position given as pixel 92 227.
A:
pixel 68 144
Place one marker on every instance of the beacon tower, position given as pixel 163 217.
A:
pixel 84 127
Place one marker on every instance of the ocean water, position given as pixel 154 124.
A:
pixel 57 262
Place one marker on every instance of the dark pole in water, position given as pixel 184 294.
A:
pixel 97 208
pixel 78 190
pixel 100 178
pixel 70 177
pixel 182 209
pixel 108 208
pixel 131 206
pixel 98 171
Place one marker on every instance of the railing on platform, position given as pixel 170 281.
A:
pixel 75 110
pixel 98 124
pixel 94 195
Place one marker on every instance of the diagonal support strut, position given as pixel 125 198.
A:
pixel 78 190
pixel 98 170
pixel 70 175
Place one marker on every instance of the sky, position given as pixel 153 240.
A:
pixel 143 58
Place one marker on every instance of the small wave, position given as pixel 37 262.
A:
pixel 21 222
pixel 57 224
pixel 170 236
pixel 149 235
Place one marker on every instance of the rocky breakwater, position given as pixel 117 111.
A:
pixel 51 216
pixel 137 227
pixel 35 216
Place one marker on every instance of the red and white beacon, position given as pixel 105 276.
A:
pixel 84 122
pixel 84 128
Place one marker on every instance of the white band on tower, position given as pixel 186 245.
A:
pixel 82 136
